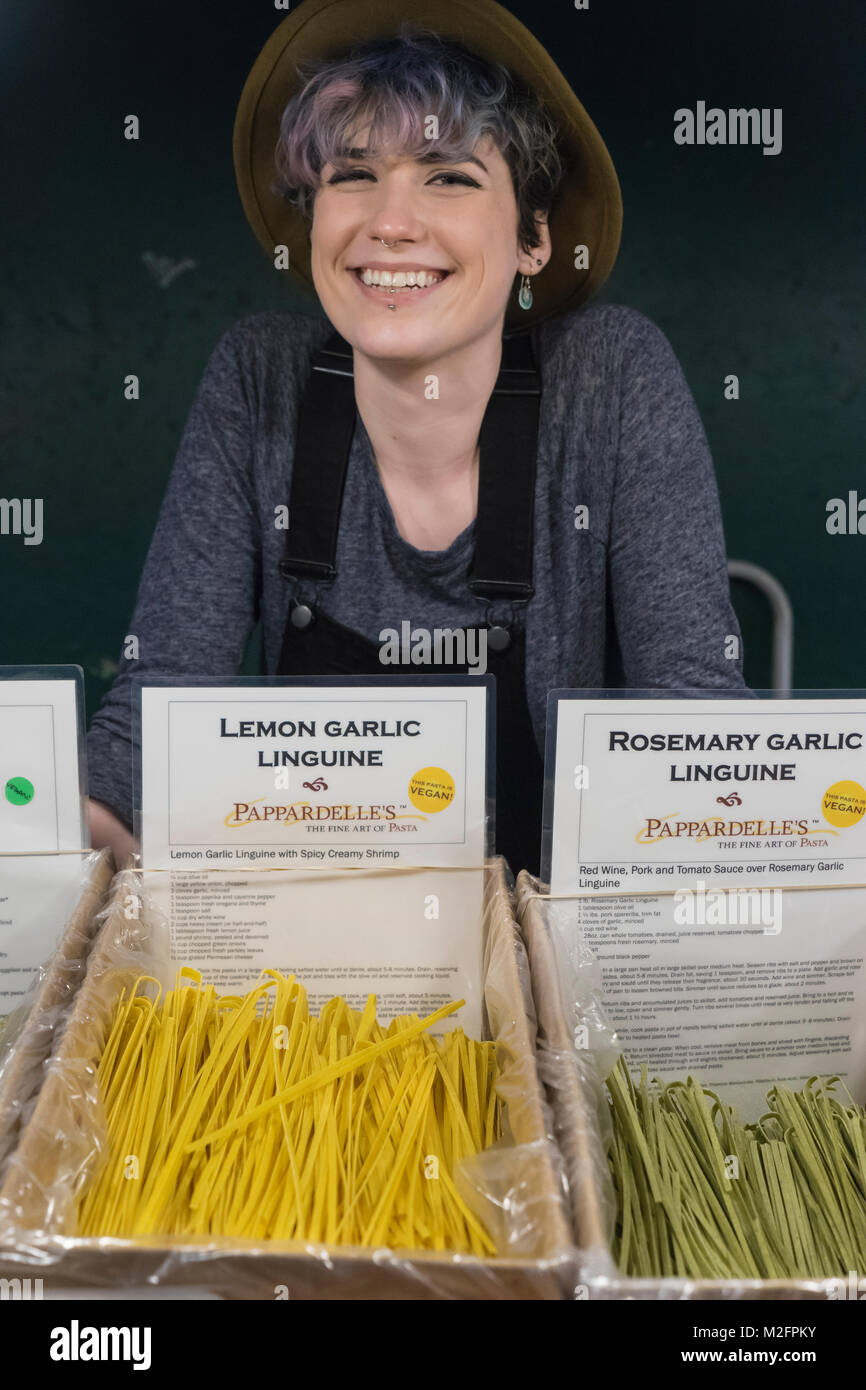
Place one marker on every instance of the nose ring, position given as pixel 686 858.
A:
pixel 390 244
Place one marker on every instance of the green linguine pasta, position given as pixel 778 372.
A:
pixel 702 1196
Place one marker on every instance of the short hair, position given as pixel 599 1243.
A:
pixel 389 88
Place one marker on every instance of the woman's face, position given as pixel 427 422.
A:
pixel 455 252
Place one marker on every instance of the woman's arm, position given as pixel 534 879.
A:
pixel 667 561
pixel 198 594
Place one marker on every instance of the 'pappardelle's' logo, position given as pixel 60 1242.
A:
pixel 668 828
pixel 843 804
pixel 296 812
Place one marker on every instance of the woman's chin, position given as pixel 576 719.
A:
pixel 391 340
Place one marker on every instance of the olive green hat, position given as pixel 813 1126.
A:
pixel 587 209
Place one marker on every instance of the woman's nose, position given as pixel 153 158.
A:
pixel 396 216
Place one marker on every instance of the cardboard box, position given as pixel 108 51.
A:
pixel 35 1245
pixel 54 991
pixel 578 1134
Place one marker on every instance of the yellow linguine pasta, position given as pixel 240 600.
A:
pixel 248 1117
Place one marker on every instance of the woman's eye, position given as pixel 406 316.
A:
pixel 346 175
pixel 449 180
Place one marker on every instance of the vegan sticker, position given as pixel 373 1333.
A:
pixel 19 790
pixel 844 803
pixel 431 789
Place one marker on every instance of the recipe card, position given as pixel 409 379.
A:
pixel 336 830
pixel 743 991
pixel 412 937
pixel 654 795
pixel 692 848
pixel 38 893
pixel 40 789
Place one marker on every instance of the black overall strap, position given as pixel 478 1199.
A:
pixel 502 566
pixel 326 423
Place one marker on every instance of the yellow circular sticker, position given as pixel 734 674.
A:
pixel 431 789
pixel 844 803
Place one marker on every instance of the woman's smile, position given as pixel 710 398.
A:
pixel 403 283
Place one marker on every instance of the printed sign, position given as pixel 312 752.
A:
pixel 37 896
pixel 40 795
pixel 314 775
pixel 307 781
pixel 411 937
pixel 742 989
pixel 696 837
pixel 657 795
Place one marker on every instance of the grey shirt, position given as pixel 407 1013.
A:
pixel 619 434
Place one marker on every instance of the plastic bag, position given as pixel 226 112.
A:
pixel 34 1029
pixel 516 1187
pixel 577 1048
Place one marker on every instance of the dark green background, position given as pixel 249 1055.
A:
pixel 751 264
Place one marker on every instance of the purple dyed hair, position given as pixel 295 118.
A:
pixel 389 88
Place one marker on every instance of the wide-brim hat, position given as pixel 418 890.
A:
pixel 588 206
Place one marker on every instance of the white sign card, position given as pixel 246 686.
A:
pixel 40 792
pixel 310 777
pixel 38 893
pixel 726 804
pixel 657 794
pixel 314 775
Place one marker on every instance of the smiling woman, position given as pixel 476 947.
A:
pixel 427 175
pixel 440 188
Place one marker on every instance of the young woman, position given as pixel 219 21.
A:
pixel 549 497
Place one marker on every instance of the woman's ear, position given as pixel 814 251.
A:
pixel 530 262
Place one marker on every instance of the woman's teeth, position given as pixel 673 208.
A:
pixel 400 279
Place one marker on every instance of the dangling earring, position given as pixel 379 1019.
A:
pixel 524 297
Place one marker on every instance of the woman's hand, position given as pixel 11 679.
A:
pixel 106 829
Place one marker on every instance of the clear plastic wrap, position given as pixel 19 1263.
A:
pixel 517 1186
pixel 576 1049
pixel 34 1029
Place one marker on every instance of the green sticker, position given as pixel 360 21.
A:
pixel 19 791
